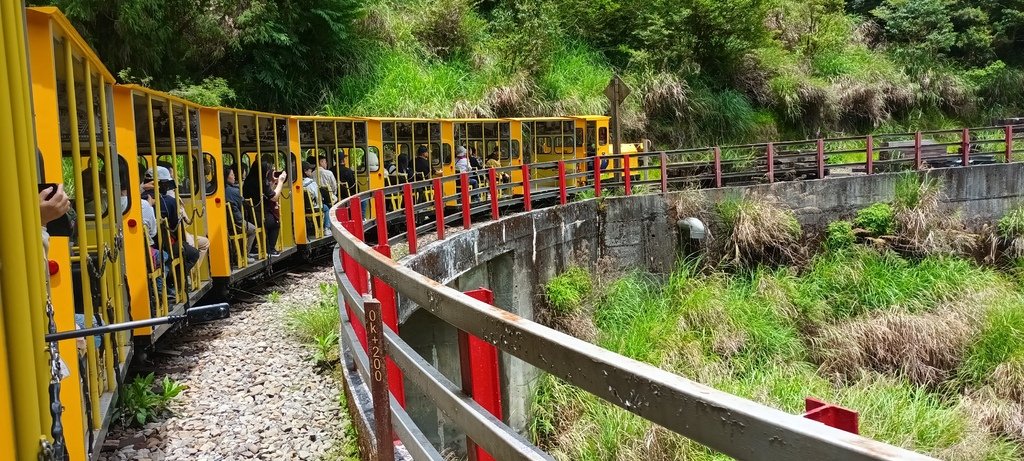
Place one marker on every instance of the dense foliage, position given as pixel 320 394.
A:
pixel 702 70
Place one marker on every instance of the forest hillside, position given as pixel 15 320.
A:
pixel 702 71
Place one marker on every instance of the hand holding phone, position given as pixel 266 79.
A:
pixel 53 202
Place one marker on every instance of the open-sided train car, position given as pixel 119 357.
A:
pixel 74 122
pixel 152 178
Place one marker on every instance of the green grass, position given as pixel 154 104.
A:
pixel 319 320
pixel 1011 225
pixel 567 291
pixel 1001 340
pixel 840 285
pixel 750 334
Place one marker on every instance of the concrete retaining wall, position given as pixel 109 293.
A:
pixel 518 254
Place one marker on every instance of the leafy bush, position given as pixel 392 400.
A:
pixel 839 235
pixel 566 292
pixel 878 219
pixel 213 91
pixel 142 400
pixel 449 27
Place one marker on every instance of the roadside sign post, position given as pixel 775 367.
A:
pixel 616 91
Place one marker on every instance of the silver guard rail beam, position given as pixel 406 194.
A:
pixel 727 423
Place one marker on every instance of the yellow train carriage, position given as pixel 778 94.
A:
pixel 344 142
pixel 248 139
pixel 25 416
pixel 72 97
pixel 154 130
pixel 492 136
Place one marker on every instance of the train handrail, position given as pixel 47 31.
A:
pixel 730 424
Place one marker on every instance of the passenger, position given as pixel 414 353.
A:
pixel 170 211
pixel 493 162
pixel 462 165
pixel 196 241
pixel 421 166
pixel 403 166
pixel 474 159
pixel 309 185
pixel 325 178
pixel 346 179
pixel 233 197
pixel 160 258
pixel 265 192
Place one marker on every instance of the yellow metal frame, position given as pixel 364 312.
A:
pixel 252 151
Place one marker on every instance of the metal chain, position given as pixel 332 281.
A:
pixel 57 450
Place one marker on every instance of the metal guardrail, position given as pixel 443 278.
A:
pixel 732 425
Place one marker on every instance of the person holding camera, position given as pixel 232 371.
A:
pixel 265 190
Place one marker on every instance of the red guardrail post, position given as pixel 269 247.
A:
pixel 917 150
pixel 562 198
pixel 492 185
pixel 1009 143
pixel 382 217
pixel 352 270
pixel 770 152
pixel 718 166
pixel 831 415
pixel 597 175
pixel 821 158
pixel 664 173
pixel 464 196
pixel 410 217
pixel 439 208
pixel 389 313
pixel 481 377
pixel 625 174
pixel 379 377
pixel 965 147
pixel 527 203
pixel 869 150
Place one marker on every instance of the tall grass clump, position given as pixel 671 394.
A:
pixel 1001 341
pixel 843 285
pixel 1011 231
pixel 566 292
pixel 760 230
pixel 634 320
pixel 319 320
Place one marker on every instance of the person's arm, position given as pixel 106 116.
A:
pixel 280 185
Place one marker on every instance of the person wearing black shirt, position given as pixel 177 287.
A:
pixel 346 179
pixel 263 187
pixel 421 167
pixel 233 197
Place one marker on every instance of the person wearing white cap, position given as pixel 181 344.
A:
pixel 462 165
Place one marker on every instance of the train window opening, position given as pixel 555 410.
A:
pixel 602 136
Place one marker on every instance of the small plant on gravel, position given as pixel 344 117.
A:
pixel 274 296
pixel 325 350
pixel 878 219
pixel 565 293
pixel 839 235
pixel 317 325
pixel 143 400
